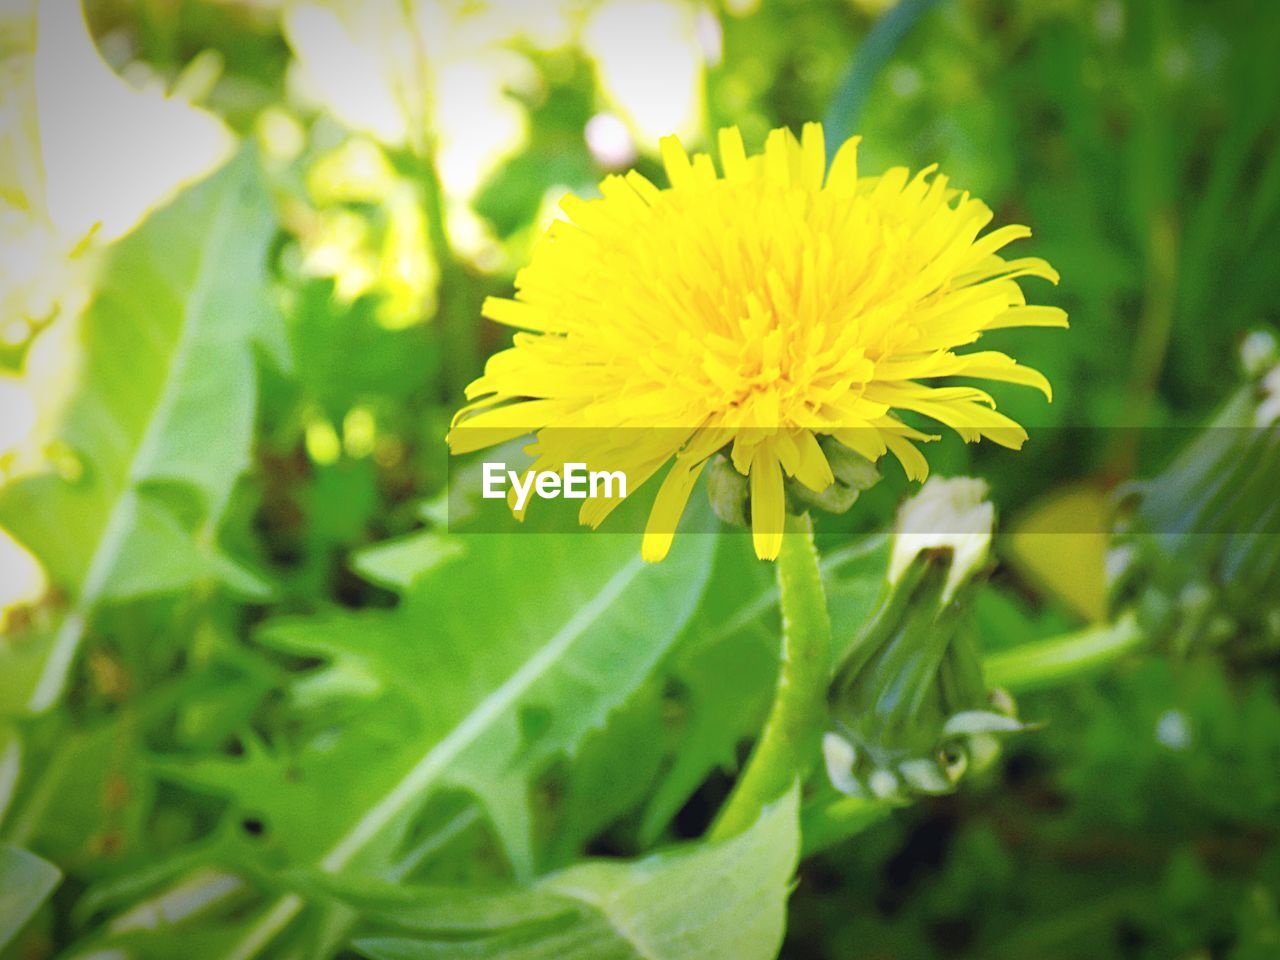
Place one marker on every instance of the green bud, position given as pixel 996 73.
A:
pixel 727 490
pixel 1196 550
pixel 854 474
pixel 910 708
pixel 730 493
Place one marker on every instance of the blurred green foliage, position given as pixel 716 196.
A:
pixel 256 700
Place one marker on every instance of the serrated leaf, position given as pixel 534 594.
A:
pixel 395 564
pixel 160 424
pixel 611 776
pixel 453 689
pixel 25 883
pixel 724 901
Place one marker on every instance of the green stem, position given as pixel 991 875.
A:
pixel 1051 661
pixel 865 65
pixel 789 741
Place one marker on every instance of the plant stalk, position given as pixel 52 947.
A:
pixel 789 741
pixel 1036 665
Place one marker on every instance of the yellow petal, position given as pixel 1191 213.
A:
pixel 768 503
pixel 516 313
pixel 995 266
pixel 733 156
pixel 643 186
pixel 676 162
pixel 993 365
pixel 843 176
pixel 891 426
pixel 491 427
pixel 812 468
pixel 778 148
pixel 965 410
pixel 996 240
pixel 864 440
pixel 668 508
pixel 913 462
pixel 813 156
pixel 1029 317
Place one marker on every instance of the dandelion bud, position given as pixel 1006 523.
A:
pixel 853 475
pixel 727 491
pixel 1196 550
pixel 911 711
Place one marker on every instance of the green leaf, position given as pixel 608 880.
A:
pixel 25 883
pixel 723 901
pixel 395 564
pixel 86 782
pixel 344 356
pixel 438 911
pixel 452 689
pixel 611 776
pixel 159 427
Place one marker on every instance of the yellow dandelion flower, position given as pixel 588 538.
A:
pixel 754 312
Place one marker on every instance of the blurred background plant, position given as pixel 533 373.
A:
pixel 256 700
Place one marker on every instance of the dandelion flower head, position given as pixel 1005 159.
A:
pixel 754 311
